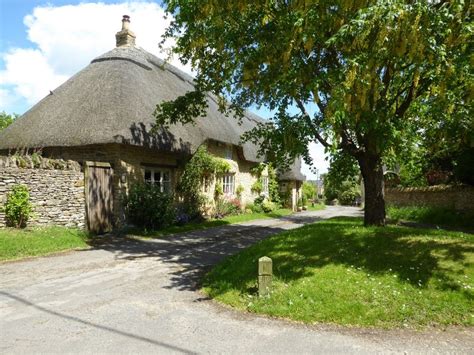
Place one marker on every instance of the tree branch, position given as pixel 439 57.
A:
pixel 310 123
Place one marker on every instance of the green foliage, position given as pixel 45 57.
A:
pixel 364 78
pixel 262 204
pixel 148 207
pixel 268 206
pixel 309 190
pixel 6 119
pixel 349 193
pixel 225 207
pixel 273 187
pixel 338 271
pixel 342 180
pixel 257 186
pixel 18 208
pixel 239 191
pixel 189 187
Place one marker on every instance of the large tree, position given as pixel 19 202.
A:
pixel 351 75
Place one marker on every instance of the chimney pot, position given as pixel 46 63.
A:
pixel 125 37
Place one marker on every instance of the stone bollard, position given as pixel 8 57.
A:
pixel 264 275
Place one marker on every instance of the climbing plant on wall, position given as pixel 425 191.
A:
pixel 257 187
pixel 201 166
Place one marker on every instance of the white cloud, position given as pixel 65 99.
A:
pixel 66 38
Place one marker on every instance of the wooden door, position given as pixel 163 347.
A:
pixel 99 196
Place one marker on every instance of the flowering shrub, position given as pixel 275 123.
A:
pixel 226 207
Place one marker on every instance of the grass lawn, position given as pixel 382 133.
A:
pixel 20 243
pixel 439 216
pixel 340 272
pixel 209 223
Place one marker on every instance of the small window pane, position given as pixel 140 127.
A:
pixel 228 153
pixel 265 184
pixel 228 184
pixel 147 175
pixel 159 177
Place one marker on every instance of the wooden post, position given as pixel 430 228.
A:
pixel 264 275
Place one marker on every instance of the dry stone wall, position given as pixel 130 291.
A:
pixel 56 190
pixel 457 197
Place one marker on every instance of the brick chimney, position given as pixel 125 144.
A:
pixel 125 37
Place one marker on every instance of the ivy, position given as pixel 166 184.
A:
pixel 273 186
pixel 201 166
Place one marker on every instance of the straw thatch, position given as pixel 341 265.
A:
pixel 112 100
pixel 293 173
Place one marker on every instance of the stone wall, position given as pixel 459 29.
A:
pixel 56 191
pixel 126 162
pixel 456 197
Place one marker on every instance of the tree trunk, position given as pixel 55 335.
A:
pixel 374 206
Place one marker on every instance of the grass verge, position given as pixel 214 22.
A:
pixel 340 272
pixel 439 216
pixel 208 224
pixel 21 243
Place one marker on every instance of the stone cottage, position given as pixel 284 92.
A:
pixel 102 118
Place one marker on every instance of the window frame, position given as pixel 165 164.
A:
pixel 161 183
pixel 228 152
pixel 230 184
pixel 265 187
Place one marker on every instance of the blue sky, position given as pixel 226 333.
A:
pixel 43 43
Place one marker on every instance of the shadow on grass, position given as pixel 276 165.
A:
pixel 414 255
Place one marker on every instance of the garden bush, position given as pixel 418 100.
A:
pixel 268 206
pixel 18 208
pixel 226 207
pixel 262 204
pixel 148 207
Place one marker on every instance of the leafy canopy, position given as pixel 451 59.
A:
pixel 351 74
pixel 362 77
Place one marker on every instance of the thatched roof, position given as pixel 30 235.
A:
pixel 112 100
pixel 294 173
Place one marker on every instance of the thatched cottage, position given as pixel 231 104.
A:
pixel 102 118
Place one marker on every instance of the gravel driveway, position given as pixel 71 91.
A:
pixel 139 296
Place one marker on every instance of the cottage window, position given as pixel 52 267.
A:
pixel 159 177
pixel 228 152
pixel 228 182
pixel 265 185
